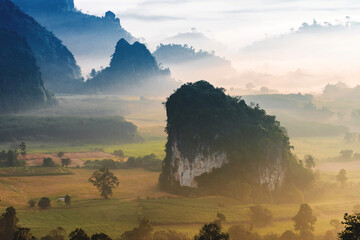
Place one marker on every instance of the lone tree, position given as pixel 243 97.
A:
pixel 304 219
pixel 211 231
pixel 309 161
pixel 23 150
pixel 105 181
pixel 65 162
pixel 67 200
pixel 341 177
pixel 60 154
pixel 44 202
pixel 352 227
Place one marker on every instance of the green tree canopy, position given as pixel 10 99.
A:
pixel 105 181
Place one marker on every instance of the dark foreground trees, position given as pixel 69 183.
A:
pixel 8 224
pixel 352 227
pixel 211 231
pixel 105 181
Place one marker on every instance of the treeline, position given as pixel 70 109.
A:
pixel 149 162
pixel 67 129
pixel 304 222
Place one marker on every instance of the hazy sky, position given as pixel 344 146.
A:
pixel 255 35
pixel 229 21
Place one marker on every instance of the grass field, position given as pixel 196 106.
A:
pixel 322 148
pixel 138 196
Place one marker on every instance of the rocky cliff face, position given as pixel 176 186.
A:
pixel 185 170
pixel 214 139
pixel 57 64
pixel 21 87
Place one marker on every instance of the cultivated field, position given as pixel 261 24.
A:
pixel 137 197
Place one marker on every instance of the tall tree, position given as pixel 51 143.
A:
pixel 105 181
pixel 304 219
pixel 23 150
pixel 8 224
pixel 65 162
pixel 341 177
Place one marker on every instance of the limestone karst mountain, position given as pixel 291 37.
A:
pixel 219 144
pixel 59 70
pixel 132 70
pixel 21 86
pixel 90 38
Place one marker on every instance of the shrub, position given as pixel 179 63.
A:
pixel 221 217
pixel 100 236
pixel 211 231
pixel 32 203
pixel 260 216
pixel 288 235
pixel 48 162
pixel 238 232
pixel 44 202
pixel 78 234
pixel 67 200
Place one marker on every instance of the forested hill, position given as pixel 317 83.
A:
pixel 132 69
pixel 21 86
pixel 58 67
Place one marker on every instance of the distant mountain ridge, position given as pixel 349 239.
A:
pixel 21 86
pixel 87 36
pixel 188 64
pixel 59 70
pixel 132 67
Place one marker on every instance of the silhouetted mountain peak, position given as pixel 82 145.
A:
pixel 132 67
pixel 135 55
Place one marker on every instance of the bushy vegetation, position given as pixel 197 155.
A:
pixel 260 216
pixel 67 129
pixel 10 159
pixel 148 162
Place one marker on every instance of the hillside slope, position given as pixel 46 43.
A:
pixel 59 70
pixel 21 86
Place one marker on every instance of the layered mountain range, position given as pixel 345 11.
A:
pixel 59 70
pixel 87 36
